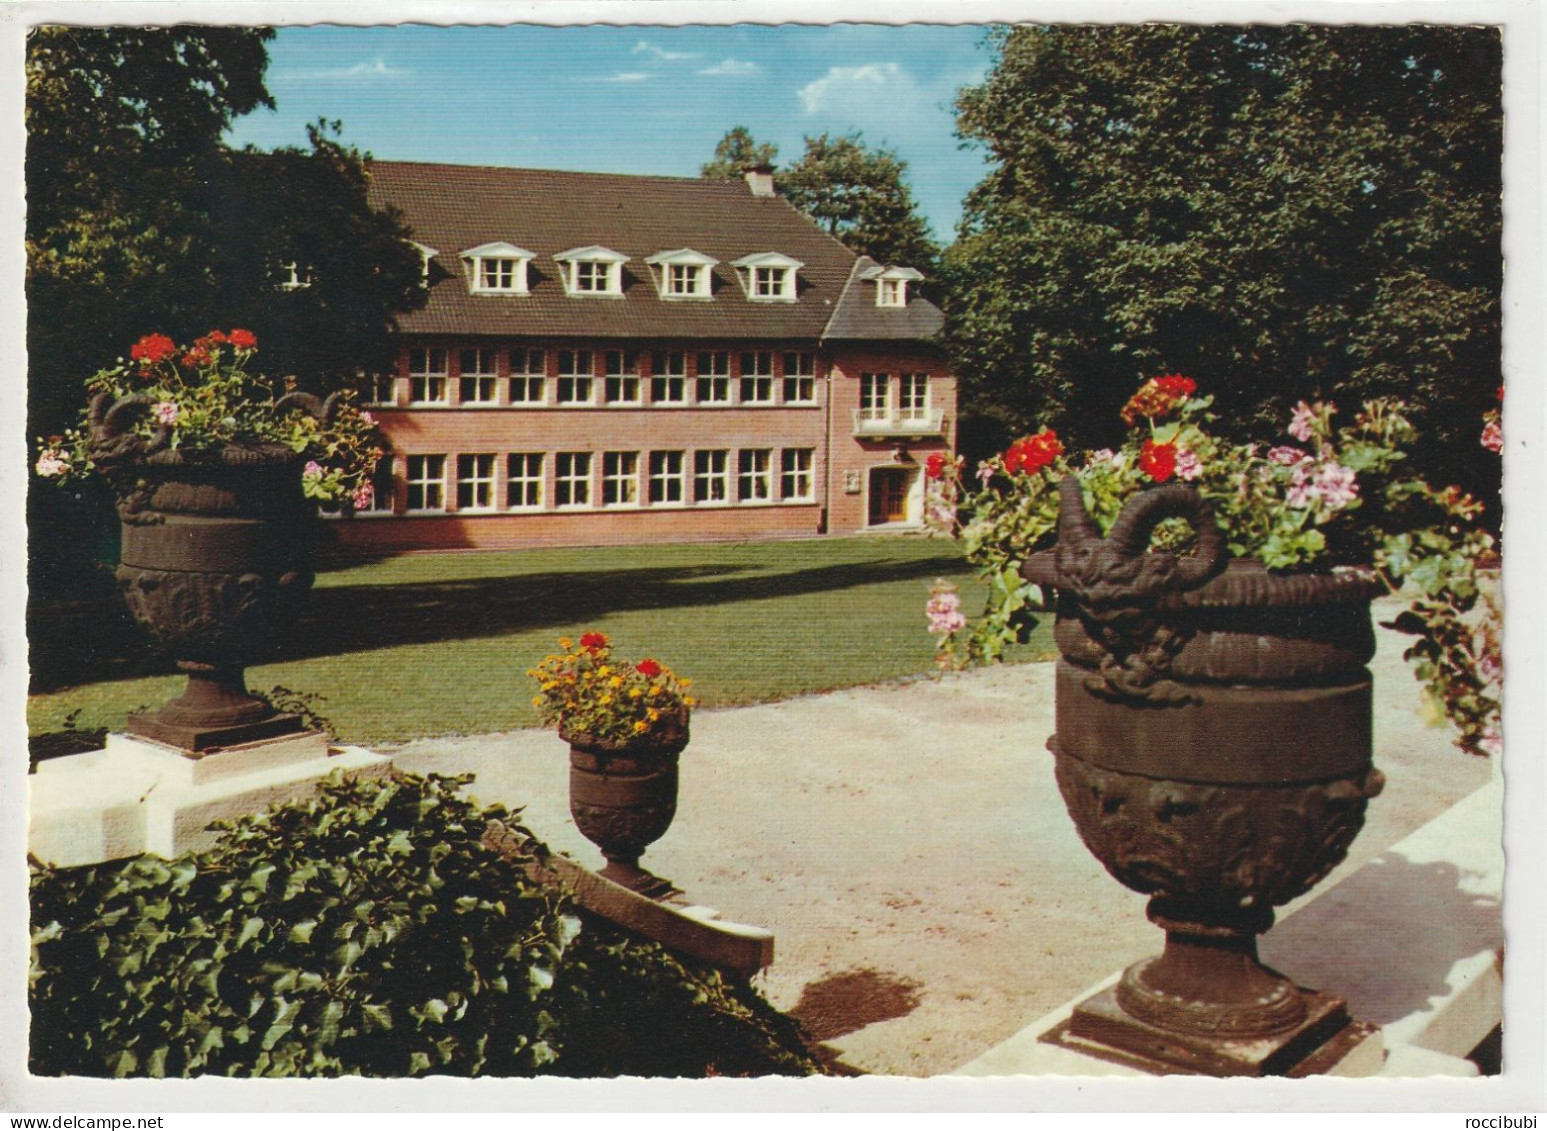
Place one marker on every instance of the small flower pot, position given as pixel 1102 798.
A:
pixel 1213 748
pixel 623 797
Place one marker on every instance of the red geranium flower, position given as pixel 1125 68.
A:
pixel 1158 397
pixel 196 357
pixel 648 668
pixel 243 339
pixel 593 641
pixel 934 466
pixel 1032 453
pixel 153 348
pixel 1158 461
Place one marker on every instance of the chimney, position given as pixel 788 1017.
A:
pixel 760 180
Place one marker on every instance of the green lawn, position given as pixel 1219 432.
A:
pixel 430 644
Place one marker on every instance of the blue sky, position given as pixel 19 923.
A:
pixel 632 99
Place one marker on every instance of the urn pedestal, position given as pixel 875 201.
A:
pixel 623 798
pixel 1213 747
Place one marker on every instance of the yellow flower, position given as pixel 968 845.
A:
pixel 635 692
pixel 550 684
pixel 566 643
pixel 605 699
pixel 685 682
pixel 615 681
pixel 654 691
pixel 641 726
pixel 654 714
pixel 537 700
pixel 689 701
pixel 604 670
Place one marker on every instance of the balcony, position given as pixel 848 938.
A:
pixel 871 423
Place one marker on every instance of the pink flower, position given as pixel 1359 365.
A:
pixel 312 470
pixel 165 412
pixel 364 496
pixel 366 418
pixel 1301 494
pixel 1300 423
pixel 985 472
pixel 944 612
pixel 1493 436
pixel 50 463
pixel 1286 455
pixel 1188 465
pixel 1337 485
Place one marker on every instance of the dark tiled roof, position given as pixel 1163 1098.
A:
pixel 858 318
pixel 455 207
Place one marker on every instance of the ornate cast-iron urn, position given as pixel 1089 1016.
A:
pixel 1213 747
pixel 623 797
pixel 216 552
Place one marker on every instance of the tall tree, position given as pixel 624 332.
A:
pixel 1281 212
pixel 737 152
pixel 861 196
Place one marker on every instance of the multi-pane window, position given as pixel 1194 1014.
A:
pixel 754 475
pixel 479 376
pixel 666 477
pixel 572 479
pixel 381 388
pixel 913 396
pixel 427 376
pixel 757 377
pixel 620 479
pixel 799 378
pixel 873 399
pixel 711 476
pixel 526 376
pixel 669 377
pixel 893 292
pixel 496 274
pixel 381 489
pixel 686 279
pixel 593 276
pixel 795 481
pixel 575 378
pixel 714 377
pixel 426 483
pixel 769 282
pixel 524 480
pixel 622 380
pixel 475 482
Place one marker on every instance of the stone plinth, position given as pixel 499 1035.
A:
pixel 136 795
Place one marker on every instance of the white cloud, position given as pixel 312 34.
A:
pixel 376 68
pixel 850 84
pixel 630 76
pixel 732 68
pixel 644 47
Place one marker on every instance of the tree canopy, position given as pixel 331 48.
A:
pixel 141 219
pixel 1280 212
pixel 857 193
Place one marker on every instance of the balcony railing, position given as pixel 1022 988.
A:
pixel 869 422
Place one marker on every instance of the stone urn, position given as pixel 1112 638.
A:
pixel 1213 747
pixel 216 552
pixel 623 797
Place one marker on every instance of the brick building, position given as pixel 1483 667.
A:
pixel 608 359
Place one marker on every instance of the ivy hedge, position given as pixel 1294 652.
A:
pixel 369 931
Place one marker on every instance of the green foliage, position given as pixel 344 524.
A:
pixel 1284 212
pixel 366 931
pixel 737 152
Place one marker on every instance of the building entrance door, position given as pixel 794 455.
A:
pixel 888 495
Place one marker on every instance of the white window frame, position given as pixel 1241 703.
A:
pixel 485 383
pixel 769 277
pixel 669 377
pixel 684 274
pixel 668 479
pixel 525 378
pixel 797 482
pixel 620 479
pixel 430 380
pixel 426 477
pixel 875 396
pixel 475 481
pixel 603 272
pixel 799 377
pixel 620 369
pixel 892 285
pixel 581 375
pixel 496 269
pixel 913 396
pixel 714 379
pixel 524 487
pixel 572 480
pixel 382 389
pixel 712 476
pixel 757 377
pixel 754 475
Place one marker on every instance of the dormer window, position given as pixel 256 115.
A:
pixel 891 284
pixel 768 277
pixel 592 270
pixel 683 273
pixel 294 276
pixel 426 254
pixel 496 268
